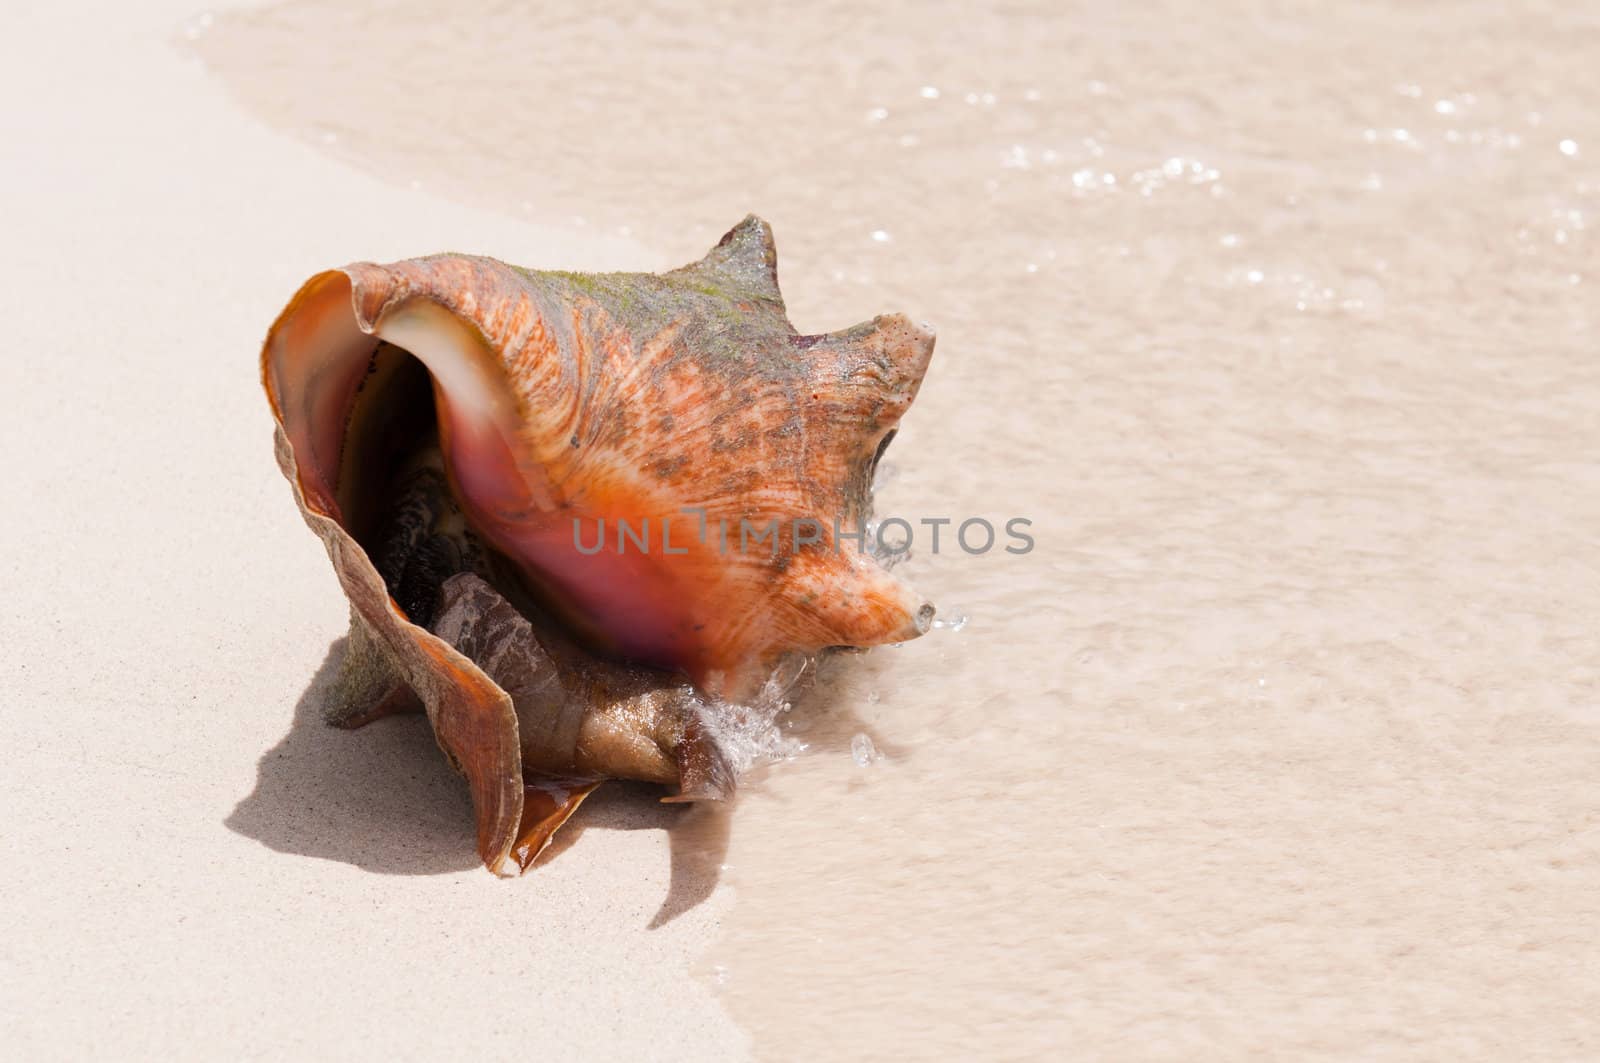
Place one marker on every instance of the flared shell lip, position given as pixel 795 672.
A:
pixel 296 304
pixel 462 692
pixel 317 499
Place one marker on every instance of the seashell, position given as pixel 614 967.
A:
pixel 527 483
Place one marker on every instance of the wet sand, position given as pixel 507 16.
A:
pixel 1278 322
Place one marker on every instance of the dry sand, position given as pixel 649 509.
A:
pixel 194 867
pixel 1277 319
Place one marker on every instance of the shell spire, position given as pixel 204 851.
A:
pixel 745 260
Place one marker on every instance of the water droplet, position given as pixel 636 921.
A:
pixel 862 751
pixel 929 92
pixel 196 27
pixel 880 236
pixel 1229 240
pixel 1569 148
pixel 1444 107
pixel 877 114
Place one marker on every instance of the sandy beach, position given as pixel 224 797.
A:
pixel 195 866
pixel 1278 325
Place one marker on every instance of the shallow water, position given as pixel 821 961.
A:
pixel 1278 322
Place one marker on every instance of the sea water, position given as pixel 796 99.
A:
pixel 1277 321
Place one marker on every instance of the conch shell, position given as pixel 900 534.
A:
pixel 577 516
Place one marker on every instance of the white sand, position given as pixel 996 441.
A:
pixel 164 609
